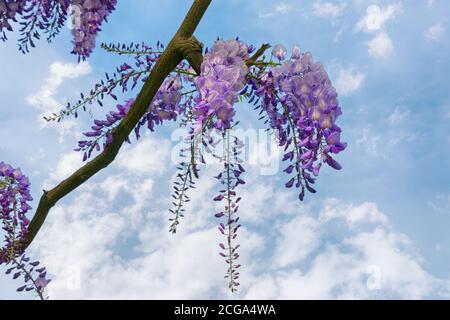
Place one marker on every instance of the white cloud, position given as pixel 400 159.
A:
pixel 45 99
pixel 339 34
pixel 145 156
pixel 114 185
pixel 111 241
pixel 440 203
pixel 278 8
pixel 399 268
pixel 348 81
pixel 311 258
pixel 398 115
pixel 376 17
pixel 282 8
pixel 76 238
pixel 363 262
pixel 66 165
pixel 404 137
pixel 258 195
pixel 380 46
pixel 354 216
pixel 291 248
pixel 435 32
pixel 263 152
pixel 91 269
pixel 119 186
pixel 369 142
pixel 374 21
pixel 329 10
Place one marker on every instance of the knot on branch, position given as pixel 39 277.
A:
pixel 188 46
pixel 191 49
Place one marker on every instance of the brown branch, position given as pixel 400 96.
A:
pixel 193 52
pixel 183 45
pixel 258 54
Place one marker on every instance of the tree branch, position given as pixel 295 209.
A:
pixel 183 45
pixel 258 54
pixel 192 49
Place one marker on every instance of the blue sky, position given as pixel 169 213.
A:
pixel 377 229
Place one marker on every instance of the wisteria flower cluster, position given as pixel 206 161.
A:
pixel 144 57
pixel 165 106
pixel 14 198
pixel 301 105
pixel 102 130
pixel 222 78
pixel 188 171
pixel 8 12
pixel 230 178
pixel 49 16
pixel 35 16
pixel 169 102
pixel 87 18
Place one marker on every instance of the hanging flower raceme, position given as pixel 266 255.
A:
pixel 222 78
pixel 102 131
pixel 230 178
pixel 34 17
pixel 9 10
pixel 49 16
pixel 125 78
pixel 165 106
pixel 87 17
pixel 185 178
pixel 14 198
pixel 301 105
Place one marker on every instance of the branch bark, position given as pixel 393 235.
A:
pixel 183 45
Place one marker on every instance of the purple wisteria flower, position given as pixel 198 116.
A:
pixel 87 17
pixel 125 78
pixel 34 17
pixel 279 52
pixel 102 131
pixel 9 10
pixel 49 16
pixel 301 105
pixel 14 198
pixel 222 78
pixel 166 105
pixel 230 178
